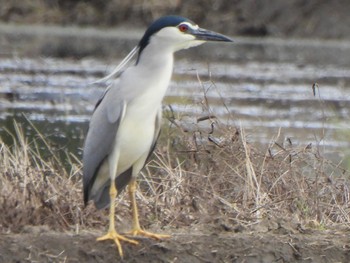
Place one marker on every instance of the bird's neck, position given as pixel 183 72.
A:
pixel 153 70
pixel 157 59
pixel 156 66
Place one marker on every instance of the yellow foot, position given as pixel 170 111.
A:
pixel 113 235
pixel 140 232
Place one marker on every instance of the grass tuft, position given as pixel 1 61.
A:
pixel 207 176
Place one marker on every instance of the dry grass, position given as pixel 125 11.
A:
pixel 198 177
pixel 235 183
pixel 35 191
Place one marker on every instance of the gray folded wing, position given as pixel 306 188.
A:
pixel 100 139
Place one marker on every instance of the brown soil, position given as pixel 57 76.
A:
pixel 281 244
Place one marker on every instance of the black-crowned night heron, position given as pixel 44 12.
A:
pixel 126 122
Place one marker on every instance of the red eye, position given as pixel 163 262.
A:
pixel 183 27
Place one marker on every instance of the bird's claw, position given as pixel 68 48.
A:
pixel 140 232
pixel 113 235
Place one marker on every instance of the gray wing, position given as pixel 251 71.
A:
pixel 101 135
pixel 158 124
pixel 102 200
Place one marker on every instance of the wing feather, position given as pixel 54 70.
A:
pixel 103 128
pixel 158 124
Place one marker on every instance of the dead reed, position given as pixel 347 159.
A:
pixel 204 176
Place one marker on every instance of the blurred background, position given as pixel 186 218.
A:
pixel 285 79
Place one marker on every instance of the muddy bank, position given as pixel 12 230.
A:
pixel 278 245
pixel 294 18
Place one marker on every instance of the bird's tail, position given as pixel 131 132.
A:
pixel 101 197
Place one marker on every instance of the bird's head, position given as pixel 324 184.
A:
pixel 170 33
pixel 177 33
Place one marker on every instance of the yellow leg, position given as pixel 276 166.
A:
pixel 112 233
pixel 136 229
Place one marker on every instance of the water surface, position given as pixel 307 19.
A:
pixel 262 85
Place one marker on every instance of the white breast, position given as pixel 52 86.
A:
pixel 146 86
